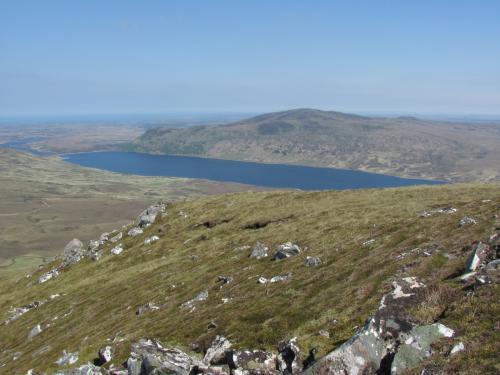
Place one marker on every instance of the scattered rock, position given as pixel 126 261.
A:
pixel 286 250
pixel 34 331
pixel 150 357
pixel 369 242
pixel 312 261
pixel 224 279
pixel 466 220
pixel 251 362
pixel 288 360
pixel 67 358
pixel 457 348
pixel 262 280
pixel 106 354
pixel 215 354
pixel 135 232
pixel 148 307
pixel 48 276
pixel 151 239
pixel 276 279
pixel 493 265
pixel 148 216
pixel 445 210
pixel 116 238
pixel 324 333
pixel 191 304
pixel 73 252
pixel 88 369
pixel 259 251
pixel 16 312
pixel 479 253
pixel 95 255
pixel 390 342
pixel 117 249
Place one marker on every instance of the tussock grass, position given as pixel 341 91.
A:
pixel 337 296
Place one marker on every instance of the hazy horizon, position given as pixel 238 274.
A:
pixel 401 58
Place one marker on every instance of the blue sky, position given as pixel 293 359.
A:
pixel 87 57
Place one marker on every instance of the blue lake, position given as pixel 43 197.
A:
pixel 270 175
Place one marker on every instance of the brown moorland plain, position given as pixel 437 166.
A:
pixel 45 202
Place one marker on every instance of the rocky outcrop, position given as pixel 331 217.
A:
pixel 288 360
pixel 73 252
pixel 286 250
pixel 216 353
pixel 191 304
pixel 313 261
pixel 106 354
pixel 135 232
pixel 67 358
pixel 259 251
pixel 52 274
pixel 148 216
pixel 88 369
pixel 390 342
pixel 16 312
pixel 466 220
pixel 149 357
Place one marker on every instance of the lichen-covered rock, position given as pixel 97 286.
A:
pixel 478 255
pixel 135 232
pixel 52 274
pixel 117 249
pixel 466 220
pixel 259 251
pixel 149 357
pixel 389 342
pixel 151 239
pixel 148 216
pixel 312 261
pixel 215 354
pixel 246 362
pixel 116 238
pixel 191 304
pixel 73 252
pixel 88 369
pixel 16 312
pixel 286 250
pixel 288 360
pixel 34 331
pixel 148 307
pixel 67 359
pixel 106 354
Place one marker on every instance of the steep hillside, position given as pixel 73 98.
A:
pixel 197 279
pixel 405 146
pixel 45 200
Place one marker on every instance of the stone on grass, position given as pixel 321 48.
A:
pixel 467 220
pixel 135 232
pixel 73 252
pixel 67 358
pixel 117 249
pixel 286 250
pixel 312 261
pixel 259 251
pixel 191 304
pixel 148 307
pixel 478 255
pixel 106 354
pixel 457 348
pixel 52 274
pixel 215 354
pixel 151 239
pixel 34 331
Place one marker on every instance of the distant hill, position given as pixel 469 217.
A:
pixel 403 146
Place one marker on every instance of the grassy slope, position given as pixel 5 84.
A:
pixel 405 147
pixel 45 202
pixel 337 296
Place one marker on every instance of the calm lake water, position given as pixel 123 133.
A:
pixel 270 175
